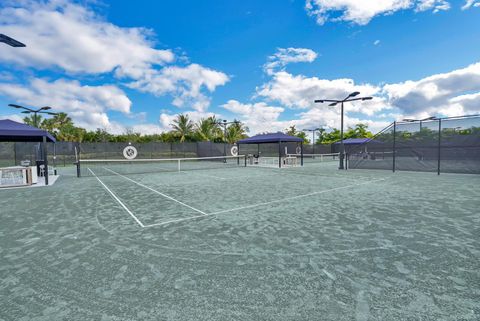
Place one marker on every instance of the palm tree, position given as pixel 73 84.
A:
pixel 182 127
pixel 57 122
pixel 236 131
pixel 30 120
pixel 207 129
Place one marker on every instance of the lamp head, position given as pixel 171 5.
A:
pixel 355 93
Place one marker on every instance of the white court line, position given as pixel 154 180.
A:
pixel 205 175
pixel 155 191
pixel 117 199
pixel 265 203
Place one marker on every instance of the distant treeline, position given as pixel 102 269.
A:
pixel 183 130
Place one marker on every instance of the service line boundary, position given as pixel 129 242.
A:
pixel 264 203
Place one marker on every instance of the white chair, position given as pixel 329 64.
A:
pixel 42 170
pixel 51 170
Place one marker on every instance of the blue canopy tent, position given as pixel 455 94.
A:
pixel 11 131
pixel 353 143
pixel 269 138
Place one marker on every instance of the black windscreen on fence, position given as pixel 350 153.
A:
pixel 450 145
pixel 63 154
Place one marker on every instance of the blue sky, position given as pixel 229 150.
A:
pixel 124 65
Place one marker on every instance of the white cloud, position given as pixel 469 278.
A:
pixel 453 93
pixel 471 3
pixel 376 42
pixel 298 91
pixel 87 105
pixel 14 117
pixel 260 117
pixel 284 56
pixel 185 83
pixel 257 116
pixel 65 35
pixel 362 11
pixel 435 5
pixel 147 129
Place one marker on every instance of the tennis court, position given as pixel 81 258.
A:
pixel 242 243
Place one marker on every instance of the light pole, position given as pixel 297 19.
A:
pixel 334 102
pixel 34 111
pixel 224 123
pixel 10 41
pixel 410 120
pixel 313 142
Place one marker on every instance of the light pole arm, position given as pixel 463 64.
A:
pixel 327 101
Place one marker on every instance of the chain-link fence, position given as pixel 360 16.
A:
pixel 63 154
pixel 449 145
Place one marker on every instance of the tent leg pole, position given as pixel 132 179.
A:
pixel 45 159
pixel 301 152
pixel 279 154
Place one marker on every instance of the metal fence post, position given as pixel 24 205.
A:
pixel 280 154
pixel 439 143
pixel 394 147
pixel 45 159
pixel 301 153
pixel 14 154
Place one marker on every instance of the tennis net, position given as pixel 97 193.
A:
pixel 317 158
pixel 108 167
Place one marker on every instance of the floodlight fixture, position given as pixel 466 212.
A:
pixel 10 41
pixel 27 110
pixel 354 94
pixel 334 102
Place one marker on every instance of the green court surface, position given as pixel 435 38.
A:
pixel 310 243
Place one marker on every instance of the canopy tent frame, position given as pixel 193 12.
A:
pixel 270 138
pixel 12 131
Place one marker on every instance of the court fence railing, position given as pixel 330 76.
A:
pixel 439 145
pixel 63 154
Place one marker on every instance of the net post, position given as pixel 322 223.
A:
pixel 178 165
pixel 77 163
pixel 279 154
pixel 45 158
pixel 394 147
pixel 245 157
pixel 439 143
pixel 301 152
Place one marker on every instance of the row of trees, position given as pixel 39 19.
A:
pixel 324 137
pixel 183 130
